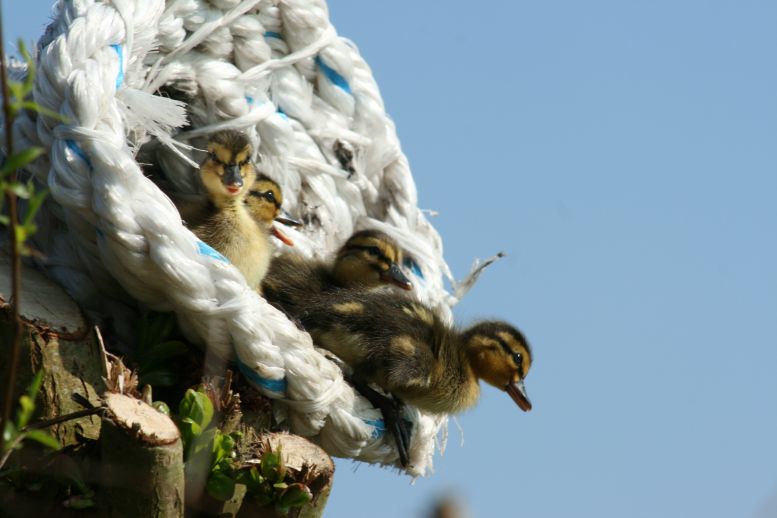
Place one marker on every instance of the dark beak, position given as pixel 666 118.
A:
pixel 518 392
pixel 284 218
pixel 395 276
pixel 232 176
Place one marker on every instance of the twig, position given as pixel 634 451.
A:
pixel 45 423
pixel 11 447
pixel 16 263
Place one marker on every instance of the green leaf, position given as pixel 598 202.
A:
pixel 36 200
pixel 202 443
pixel 27 57
pixel 5 220
pixel 43 438
pixel 27 401
pixel 19 160
pixel 79 502
pixel 161 407
pixel 189 431
pixel 9 433
pixel 223 445
pixel 21 234
pixel 280 485
pixel 33 106
pixel 162 352
pixel 155 328
pixel 26 408
pixel 197 407
pixel 296 495
pixel 220 486
pixel 19 189
pixel 270 463
pixel 17 91
pixel 251 478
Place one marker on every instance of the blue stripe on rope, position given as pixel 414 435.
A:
pixel 249 99
pixel 205 249
pixel 379 427
pixel 72 146
pixel 273 34
pixel 282 113
pixel 413 267
pixel 278 386
pixel 333 76
pixel 120 77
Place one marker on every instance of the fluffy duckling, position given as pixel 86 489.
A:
pixel 264 202
pixel 369 259
pixel 404 348
pixel 227 173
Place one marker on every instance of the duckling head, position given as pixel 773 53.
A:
pixel 228 168
pixel 501 356
pixel 264 203
pixel 370 259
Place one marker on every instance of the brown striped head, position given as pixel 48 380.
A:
pixel 500 355
pixel 264 204
pixel 228 171
pixel 370 259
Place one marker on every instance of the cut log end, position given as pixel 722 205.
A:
pixel 44 304
pixel 133 415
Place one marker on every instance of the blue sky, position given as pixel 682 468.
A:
pixel 623 155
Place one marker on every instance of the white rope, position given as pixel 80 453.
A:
pixel 277 69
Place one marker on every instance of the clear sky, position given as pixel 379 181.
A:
pixel 624 155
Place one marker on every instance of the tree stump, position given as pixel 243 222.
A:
pixel 142 461
pixel 57 340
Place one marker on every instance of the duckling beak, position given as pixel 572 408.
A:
pixel 280 235
pixel 232 179
pixel 286 219
pixel 395 276
pixel 518 392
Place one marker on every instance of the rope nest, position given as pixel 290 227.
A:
pixel 278 70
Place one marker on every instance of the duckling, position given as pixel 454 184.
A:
pixel 404 348
pixel 229 227
pixel 264 202
pixel 369 259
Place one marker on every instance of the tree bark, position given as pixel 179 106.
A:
pixel 57 340
pixel 142 461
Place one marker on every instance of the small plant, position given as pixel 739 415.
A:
pixel 16 97
pixel 267 480
pixel 15 431
pixel 159 352
pixel 201 438
pixel 269 483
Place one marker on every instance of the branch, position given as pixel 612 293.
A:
pixel 16 263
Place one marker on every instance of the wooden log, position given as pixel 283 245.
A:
pixel 300 455
pixel 142 459
pixel 56 339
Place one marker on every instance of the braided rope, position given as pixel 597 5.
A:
pixel 277 69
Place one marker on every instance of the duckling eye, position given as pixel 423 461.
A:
pixel 518 359
pixel 373 250
pixel 269 196
pixel 213 157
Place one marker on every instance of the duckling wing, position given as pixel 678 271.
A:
pixel 377 334
pixel 292 280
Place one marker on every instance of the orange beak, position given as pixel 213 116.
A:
pixel 280 235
